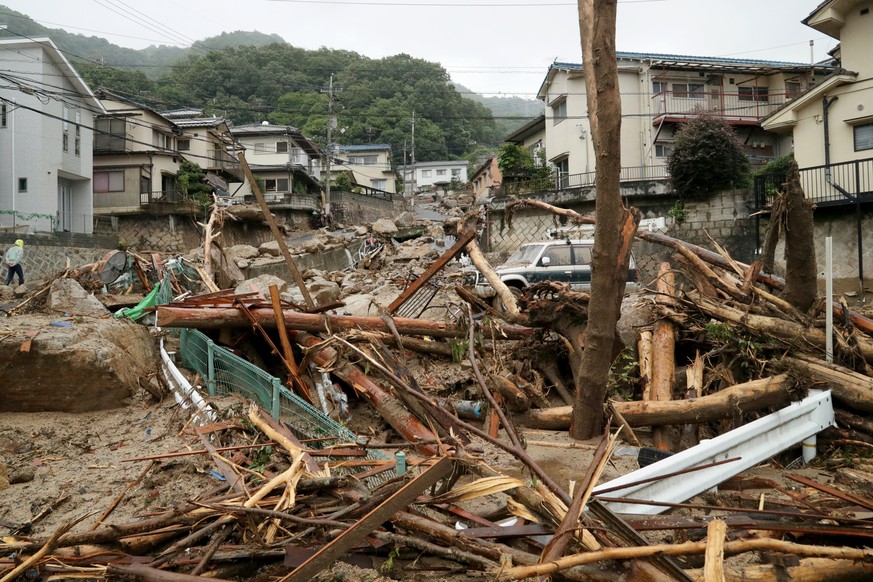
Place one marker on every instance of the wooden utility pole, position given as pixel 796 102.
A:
pixel 283 248
pixel 615 226
pixel 330 124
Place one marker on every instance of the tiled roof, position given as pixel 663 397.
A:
pixel 184 113
pixel 258 128
pixel 690 59
pixel 199 122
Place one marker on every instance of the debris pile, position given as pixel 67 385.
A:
pixel 426 459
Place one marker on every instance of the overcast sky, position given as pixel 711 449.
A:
pixel 491 46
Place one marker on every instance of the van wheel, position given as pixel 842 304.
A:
pixel 498 304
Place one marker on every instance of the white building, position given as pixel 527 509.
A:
pixel 46 135
pixel 433 174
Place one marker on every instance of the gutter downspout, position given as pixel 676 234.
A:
pixel 826 103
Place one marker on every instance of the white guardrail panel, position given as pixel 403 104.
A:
pixel 753 443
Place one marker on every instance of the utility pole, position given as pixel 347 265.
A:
pixel 330 124
pixel 412 197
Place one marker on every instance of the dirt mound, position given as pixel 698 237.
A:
pixel 76 364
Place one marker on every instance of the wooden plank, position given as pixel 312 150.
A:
pixel 355 534
pixel 432 270
pixel 271 222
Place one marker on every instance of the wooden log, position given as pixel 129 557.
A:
pixel 849 388
pixel 516 400
pixel 225 317
pixel 805 570
pixel 644 348
pixel 747 397
pixel 387 405
pixel 149 574
pixel 663 352
pixel 713 570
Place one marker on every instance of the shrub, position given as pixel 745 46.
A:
pixel 707 157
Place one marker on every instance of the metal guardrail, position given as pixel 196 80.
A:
pixel 225 372
pixel 855 178
pixel 585 179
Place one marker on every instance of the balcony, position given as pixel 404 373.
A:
pixel 225 165
pixel 562 182
pixel 834 185
pixel 747 107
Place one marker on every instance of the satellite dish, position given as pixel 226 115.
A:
pixel 113 266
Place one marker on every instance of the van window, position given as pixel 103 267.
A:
pixel 581 255
pixel 558 255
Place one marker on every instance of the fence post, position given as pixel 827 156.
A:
pixel 274 411
pixel 210 366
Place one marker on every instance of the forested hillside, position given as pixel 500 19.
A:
pixel 250 77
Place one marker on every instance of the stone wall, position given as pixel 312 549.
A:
pixel 351 208
pixel 47 255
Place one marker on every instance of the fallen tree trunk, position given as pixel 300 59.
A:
pixel 746 397
pixel 663 353
pixel 391 409
pixel 851 388
pixel 225 317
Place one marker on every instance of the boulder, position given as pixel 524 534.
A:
pixel 89 364
pixel 405 220
pixel 323 291
pixel 384 226
pixel 67 296
pixel 270 248
pixel 361 305
pixel 4 477
pixel 361 231
pixel 261 285
pixel 237 252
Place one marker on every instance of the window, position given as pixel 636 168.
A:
pixel 662 150
pixel 456 173
pixel 581 255
pixel 22 184
pixel 689 90
pixel 184 145
pixel 260 148
pixel 109 181
pixel 66 125
pixel 161 140
pixel 792 89
pixel 863 137
pixel 558 256
pixel 3 115
pixel 441 172
pixel 363 160
pixel 562 169
pixel 379 184
pixel 659 87
pixel 276 184
pixel 281 147
pixel 559 111
pixel 753 93
pixel 110 135
pixel 425 173
pixel 78 132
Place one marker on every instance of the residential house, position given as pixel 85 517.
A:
pixel 486 178
pixel 659 92
pixel 135 158
pixel 425 175
pixel 46 133
pixel 206 141
pixel 832 125
pixel 287 162
pixel 531 136
pixel 370 165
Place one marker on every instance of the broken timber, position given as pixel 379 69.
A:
pixel 382 513
pixel 224 317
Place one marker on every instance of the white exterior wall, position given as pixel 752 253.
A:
pixel 365 174
pixel 32 142
pixel 426 172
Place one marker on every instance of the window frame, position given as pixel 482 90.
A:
pixel 111 138
pixel 184 144
pixel 559 110
pixel 867 144
pixel 109 181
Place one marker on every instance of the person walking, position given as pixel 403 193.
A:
pixel 13 261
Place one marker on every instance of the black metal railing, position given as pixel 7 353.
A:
pixel 569 181
pixel 833 185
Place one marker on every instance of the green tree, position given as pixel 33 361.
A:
pixel 190 180
pixel 707 157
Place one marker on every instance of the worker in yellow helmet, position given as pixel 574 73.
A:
pixel 14 256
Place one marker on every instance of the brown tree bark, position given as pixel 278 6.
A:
pixel 611 252
pixel 800 268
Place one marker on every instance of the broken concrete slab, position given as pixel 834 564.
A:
pixel 67 296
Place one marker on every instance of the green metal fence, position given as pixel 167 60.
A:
pixel 225 372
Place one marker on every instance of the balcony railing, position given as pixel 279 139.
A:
pixel 569 181
pixel 838 184
pixel 737 107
